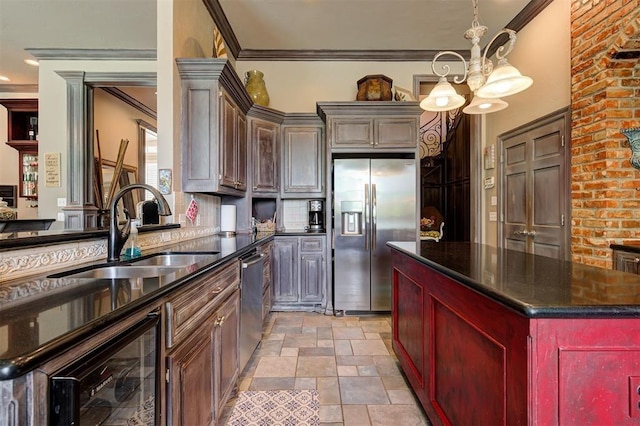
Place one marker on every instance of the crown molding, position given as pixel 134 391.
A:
pixel 526 15
pixel 18 88
pixel 94 54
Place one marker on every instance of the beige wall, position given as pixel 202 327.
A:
pixel 542 52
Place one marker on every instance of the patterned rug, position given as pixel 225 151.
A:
pixel 275 408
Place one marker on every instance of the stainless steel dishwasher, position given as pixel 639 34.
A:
pixel 250 305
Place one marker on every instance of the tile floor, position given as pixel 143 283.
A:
pixel 349 361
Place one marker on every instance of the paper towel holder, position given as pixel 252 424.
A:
pixel 228 220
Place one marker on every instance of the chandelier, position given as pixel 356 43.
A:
pixel 487 84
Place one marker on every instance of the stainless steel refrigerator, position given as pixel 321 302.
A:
pixel 374 201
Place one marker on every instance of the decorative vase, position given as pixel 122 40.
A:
pixel 633 135
pixel 254 82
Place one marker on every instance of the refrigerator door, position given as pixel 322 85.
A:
pixel 351 239
pixel 393 218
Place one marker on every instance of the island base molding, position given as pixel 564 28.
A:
pixel 472 360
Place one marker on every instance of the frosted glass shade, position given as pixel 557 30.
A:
pixel 443 97
pixel 481 105
pixel 505 80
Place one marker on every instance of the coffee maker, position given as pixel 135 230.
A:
pixel 316 216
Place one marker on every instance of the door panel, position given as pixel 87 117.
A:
pixel 352 243
pixel 535 189
pixel 393 186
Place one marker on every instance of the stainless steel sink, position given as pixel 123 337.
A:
pixel 124 271
pixel 175 259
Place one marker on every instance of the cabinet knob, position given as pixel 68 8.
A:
pixel 637 260
pixel 220 321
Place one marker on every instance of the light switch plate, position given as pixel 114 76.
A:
pixel 62 202
pixel 493 216
pixel 494 200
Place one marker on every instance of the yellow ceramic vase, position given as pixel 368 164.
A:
pixel 254 82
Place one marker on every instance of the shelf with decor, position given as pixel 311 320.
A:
pixel 22 135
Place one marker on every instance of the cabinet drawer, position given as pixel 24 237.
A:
pixel 312 244
pixel 186 311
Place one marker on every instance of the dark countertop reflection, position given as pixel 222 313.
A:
pixel 40 327
pixel 534 286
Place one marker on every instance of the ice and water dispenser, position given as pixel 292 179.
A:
pixel 351 217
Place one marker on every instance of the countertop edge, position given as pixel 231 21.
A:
pixel 521 308
pixel 15 367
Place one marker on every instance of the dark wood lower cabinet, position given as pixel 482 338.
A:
pixel 473 361
pixel 202 370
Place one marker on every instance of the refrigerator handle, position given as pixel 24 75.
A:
pixel 366 216
pixel 374 216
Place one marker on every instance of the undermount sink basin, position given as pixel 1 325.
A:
pixel 127 271
pixel 175 259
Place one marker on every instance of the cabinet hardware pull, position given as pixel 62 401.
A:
pixel 216 290
pixel 637 260
pixel 220 321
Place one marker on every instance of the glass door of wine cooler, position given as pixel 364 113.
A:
pixel 115 384
pixel 29 174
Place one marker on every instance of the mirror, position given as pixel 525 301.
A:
pixel 128 176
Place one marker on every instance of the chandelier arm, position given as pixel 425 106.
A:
pixel 501 49
pixel 446 69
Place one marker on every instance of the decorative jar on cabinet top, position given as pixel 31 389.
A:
pixel 254 82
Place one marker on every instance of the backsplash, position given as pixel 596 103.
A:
pixel 295 215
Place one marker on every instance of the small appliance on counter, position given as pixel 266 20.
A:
pixel 228 220
pixel 316 216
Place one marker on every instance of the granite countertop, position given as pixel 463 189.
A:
pixel 533 286
pixel 298 233
pixel 632 247
pixel 40 327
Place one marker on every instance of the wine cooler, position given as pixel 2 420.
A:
pixel 115 384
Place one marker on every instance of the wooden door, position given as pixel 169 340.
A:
pixel 264 139
pixel 311 277
pixel 303 162
pixel 534 191
pixel 285 270
pixel 190 391
pixel 227 141
pixel 240 158
pixel 227 349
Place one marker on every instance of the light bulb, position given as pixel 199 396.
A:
pixel 442 101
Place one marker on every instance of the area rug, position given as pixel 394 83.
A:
pixel 275 408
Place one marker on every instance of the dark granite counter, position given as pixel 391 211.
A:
pixel 298 233
pixel 40 327
pixel 533 286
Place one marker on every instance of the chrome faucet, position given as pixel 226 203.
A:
pixel 118 237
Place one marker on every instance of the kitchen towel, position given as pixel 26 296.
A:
pixel 192 210
pixel 227 218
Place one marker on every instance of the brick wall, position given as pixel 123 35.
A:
pixel 605 98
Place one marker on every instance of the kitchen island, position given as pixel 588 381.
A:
pixel 492 336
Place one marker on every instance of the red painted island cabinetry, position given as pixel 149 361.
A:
pixel 472 360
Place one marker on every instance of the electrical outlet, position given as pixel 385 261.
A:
pixel 60 217
pixel 634 396
pixel 62 202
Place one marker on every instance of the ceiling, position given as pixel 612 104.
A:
pixel 257 29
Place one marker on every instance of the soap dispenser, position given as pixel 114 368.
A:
pixel 133 248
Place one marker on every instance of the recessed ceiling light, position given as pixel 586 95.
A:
pixel 3 78
pixel 32 62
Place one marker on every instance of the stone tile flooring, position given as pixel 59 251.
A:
pixel 349 361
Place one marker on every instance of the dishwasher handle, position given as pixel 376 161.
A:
pixel 252 260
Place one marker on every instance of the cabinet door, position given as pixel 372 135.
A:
pixel 264 138
pixel 626 261
pixel 190 392
pixel 396 132
pixel 303 162
pixel 226 342
pixel 227 141
pixel 311 277
pixel 352 133
pixel 285 270
pixel 240 160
